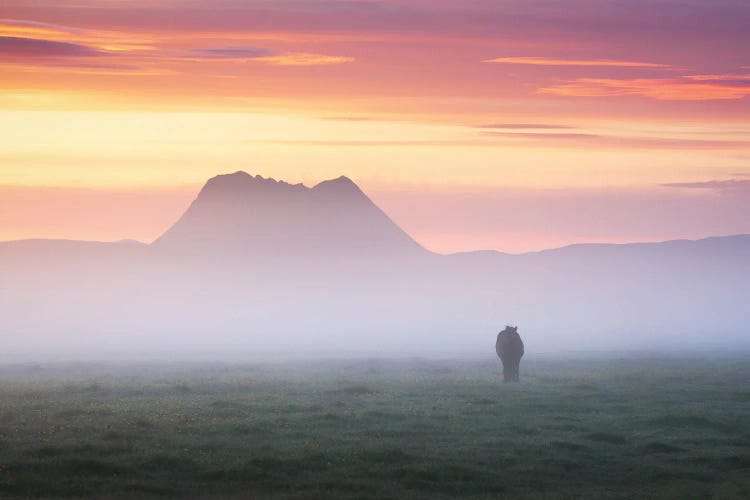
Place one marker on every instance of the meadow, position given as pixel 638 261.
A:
pixel 585 426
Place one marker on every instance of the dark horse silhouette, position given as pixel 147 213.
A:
pixel 509 348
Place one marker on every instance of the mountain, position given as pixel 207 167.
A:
pixel 252 216
pixel 257 265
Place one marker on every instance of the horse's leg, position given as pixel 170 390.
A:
pixel 507 372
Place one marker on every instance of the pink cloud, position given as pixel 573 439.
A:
pixel 731 186
pixel 619 142
pixel 304 59
pixel 524 126
pixel 548 61
pixel 11 46
pixel 687 88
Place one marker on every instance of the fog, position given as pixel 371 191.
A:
pixel 257 268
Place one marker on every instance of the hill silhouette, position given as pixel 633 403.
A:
pixel 257 265
pixel 253 216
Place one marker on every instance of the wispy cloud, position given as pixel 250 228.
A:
pixel 33 55
pixel 349 118
pixel 101 40
pixel 732 185
pixel 304 59
pixel 524 126
pixel 8 26
pixel 618 142
pixel 11 46
pixel 231 53
pixel 23 38
pixel 550 61
pixel 79 67
pixel 424 56
pixel 407 143
pixel 264 55
pixel 686 88
pixel 63 48
pixel 545 136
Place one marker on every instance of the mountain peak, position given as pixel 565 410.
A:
pixel 339 187
pixel 241 183
pixel 249 214
pixel 342 180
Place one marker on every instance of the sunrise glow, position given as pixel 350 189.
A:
pixel 450 115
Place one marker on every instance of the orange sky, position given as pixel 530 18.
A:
pixel 587 123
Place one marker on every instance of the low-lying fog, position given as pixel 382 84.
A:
pixel 262 268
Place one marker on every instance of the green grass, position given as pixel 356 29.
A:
pixel 576 428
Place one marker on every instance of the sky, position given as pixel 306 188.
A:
pixel 512 125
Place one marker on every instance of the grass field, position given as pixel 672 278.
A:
pixel 574 428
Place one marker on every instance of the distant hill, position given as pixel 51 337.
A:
pixel 253 216
pixel 258 265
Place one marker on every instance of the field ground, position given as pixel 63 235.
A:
pixel 583 427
